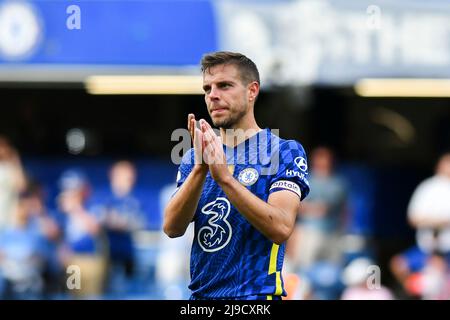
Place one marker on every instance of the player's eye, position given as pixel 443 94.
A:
pixel 207 89
pixel 224 85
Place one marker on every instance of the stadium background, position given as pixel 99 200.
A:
pixel 312 55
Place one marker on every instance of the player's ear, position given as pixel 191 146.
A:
pixel 253 89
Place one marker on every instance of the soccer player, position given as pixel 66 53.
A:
pixel 242 189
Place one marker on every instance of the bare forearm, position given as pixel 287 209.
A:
pixel 181 208
pixel 272 222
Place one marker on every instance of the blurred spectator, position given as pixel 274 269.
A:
pixel 355 277
pixel 292 285
pixel 435 279
pixel 423 270
pixel 23 255
pixel 423 275
pixel 121 214
pixel 172 271
pixel 321 218
pixel 12 181
pixel 45 224
pixel 324 279
pixel 429 209
pixel 85 243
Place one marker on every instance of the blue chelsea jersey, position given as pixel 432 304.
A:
pixel 230 258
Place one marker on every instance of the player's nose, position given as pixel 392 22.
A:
pixel 214 93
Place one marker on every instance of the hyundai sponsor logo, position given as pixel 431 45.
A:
pixel 300 162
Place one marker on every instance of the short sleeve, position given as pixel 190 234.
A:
pixel 292 173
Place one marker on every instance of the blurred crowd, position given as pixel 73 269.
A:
pixel 423 269
pixel 86 248
pixel 326 261
pixel 38 246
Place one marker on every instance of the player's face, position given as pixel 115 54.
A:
pixel 225 95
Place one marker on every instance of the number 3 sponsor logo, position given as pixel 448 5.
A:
pixel 217 234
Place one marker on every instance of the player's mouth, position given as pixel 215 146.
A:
pixel 218 110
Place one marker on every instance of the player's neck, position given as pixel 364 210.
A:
pixel 242 131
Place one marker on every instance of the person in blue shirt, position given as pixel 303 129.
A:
pixel 85 245
pixel 120 213
pixel 44 223
pixel 241 189
pixel 321 221
pixel 23 255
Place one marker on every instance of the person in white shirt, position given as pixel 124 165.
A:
pixel 429 209
pixel 12 182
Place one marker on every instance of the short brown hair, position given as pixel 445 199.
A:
pixel 247 68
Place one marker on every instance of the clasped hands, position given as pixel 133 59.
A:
pixel 208 149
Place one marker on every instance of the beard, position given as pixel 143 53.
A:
pixel 229 122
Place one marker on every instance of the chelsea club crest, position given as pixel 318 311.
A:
pixel 248 176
